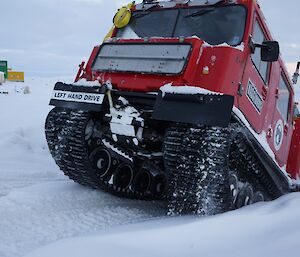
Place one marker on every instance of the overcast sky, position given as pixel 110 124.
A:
pixel 53 36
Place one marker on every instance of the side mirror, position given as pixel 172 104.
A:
pixel 270 51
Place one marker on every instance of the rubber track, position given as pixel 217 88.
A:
pixel 253 172
pixel 195 155
pixel 55 133
pixel 76 164
pixel 185 150
pixel 197 175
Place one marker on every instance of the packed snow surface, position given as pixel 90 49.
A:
pixel 44 214
pixel 38 205
pixel 263 230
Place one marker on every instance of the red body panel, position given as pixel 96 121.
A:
pixel 226 70
pixel 294 156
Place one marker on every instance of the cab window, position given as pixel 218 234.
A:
pixel 283 101
pixel 258 37
pixel 296 112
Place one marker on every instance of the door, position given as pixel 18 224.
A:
pixel 282 126
pixel 253 102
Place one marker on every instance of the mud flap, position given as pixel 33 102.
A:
pixel 78 97
pixel 199 109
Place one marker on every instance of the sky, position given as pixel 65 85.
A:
pixel 44 37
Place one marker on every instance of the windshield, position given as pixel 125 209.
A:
pixel 215 25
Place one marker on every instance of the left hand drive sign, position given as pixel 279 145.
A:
pixel 78 97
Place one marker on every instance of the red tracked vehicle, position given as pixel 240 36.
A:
pixel 186 101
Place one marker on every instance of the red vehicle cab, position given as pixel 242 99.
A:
pixel 263 90
pixel 194 93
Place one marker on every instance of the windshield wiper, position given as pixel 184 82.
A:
pixel 200 12
pixel 145 12
pixel 141 14
pixel 209 9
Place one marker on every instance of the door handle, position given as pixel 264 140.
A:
pixel 286 129
pixel 264 93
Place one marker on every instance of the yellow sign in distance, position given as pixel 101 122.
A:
pixel 15 76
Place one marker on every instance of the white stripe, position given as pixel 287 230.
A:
pixel 78 97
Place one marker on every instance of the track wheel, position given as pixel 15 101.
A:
pixel 142 181
pixel 159 185
pixel 101 161
pixel 258 197
pixel 234 186
pixel 123 176
pixel 245 196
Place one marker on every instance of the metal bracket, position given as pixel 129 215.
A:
pixel 240 89
pixel 296 74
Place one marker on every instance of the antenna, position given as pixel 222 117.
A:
pixel 296 74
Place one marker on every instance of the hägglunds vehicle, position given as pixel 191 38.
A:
pixel 184 101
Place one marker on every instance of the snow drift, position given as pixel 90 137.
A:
pixel 270 229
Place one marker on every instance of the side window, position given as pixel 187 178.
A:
pixel 296 112
pixel 262 67
pixel 283 101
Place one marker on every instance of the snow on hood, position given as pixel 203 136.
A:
pixel 85 83
pixel 189 90
pixel 240 47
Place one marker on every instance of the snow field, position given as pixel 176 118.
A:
pixel 38 205
pixel 24 155
pixel 265 229
pixel 42 211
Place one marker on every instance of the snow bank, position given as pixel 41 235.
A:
pixel 271 229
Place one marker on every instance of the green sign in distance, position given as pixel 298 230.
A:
pixel 3 68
